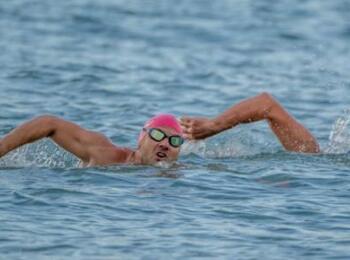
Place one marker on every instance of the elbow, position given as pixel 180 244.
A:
pixel 49 123
pixel 268 97
pixel 270 105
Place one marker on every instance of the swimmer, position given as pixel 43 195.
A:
pixel 160 140
pixel 162 136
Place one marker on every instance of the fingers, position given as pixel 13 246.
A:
pixel 191 133
pixel 186 122
pixel 187 131
pixel 185 118
pixel 187 134
pixel 188 137
pixel 192 128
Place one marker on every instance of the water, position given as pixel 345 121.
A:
pixel 110 65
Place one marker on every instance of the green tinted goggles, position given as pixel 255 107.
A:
pixel 158 136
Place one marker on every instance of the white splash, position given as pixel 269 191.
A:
pixel 43 153
pixel 339 138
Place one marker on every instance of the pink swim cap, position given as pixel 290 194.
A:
pixel 162 120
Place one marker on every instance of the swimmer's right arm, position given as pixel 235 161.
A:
pixel 66 134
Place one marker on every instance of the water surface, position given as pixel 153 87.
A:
pixel 110 65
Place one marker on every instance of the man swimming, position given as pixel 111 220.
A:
pixel 162 136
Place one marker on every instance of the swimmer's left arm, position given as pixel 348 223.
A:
pixel 292 135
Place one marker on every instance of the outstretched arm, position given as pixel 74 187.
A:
pixel 66 134
pixel 293 136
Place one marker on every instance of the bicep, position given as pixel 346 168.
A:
pixel 76 139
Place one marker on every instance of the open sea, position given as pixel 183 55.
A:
pixel 110 65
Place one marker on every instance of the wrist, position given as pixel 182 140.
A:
pixel 218 125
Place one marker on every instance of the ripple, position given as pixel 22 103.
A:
pixel 110 65
pixel 27 200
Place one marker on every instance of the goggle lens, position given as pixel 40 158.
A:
pixel 158 135
pixel 176 141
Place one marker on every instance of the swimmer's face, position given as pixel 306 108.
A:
pixel 153 151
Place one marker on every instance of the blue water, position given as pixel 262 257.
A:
pixel 109 65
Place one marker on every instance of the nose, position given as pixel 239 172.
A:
pixel 164 145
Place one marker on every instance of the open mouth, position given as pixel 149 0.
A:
pixel 161 155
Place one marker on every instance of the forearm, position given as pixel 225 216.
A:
pixel 246 111
pixel 292 135
pixel 28 132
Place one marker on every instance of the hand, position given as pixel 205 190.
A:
pixel 198 128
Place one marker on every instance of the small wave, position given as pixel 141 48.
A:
pixel 25 199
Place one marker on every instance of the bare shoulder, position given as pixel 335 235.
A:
pixel 94 138
pixel 109 154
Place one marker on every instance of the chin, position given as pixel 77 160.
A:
pixel 156 160
pixel 167 160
